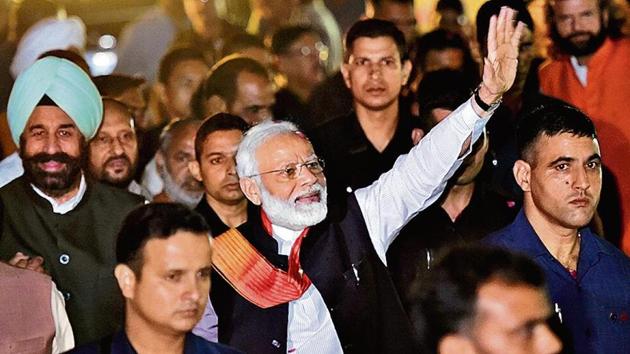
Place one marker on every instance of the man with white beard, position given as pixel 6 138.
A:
pixel 296 280
pixel 177 149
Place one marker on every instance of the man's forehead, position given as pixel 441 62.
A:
pixel 394 10
pixel 285 146
pixel 511 305
pixel 116 117
pixel 222 139
pixel 383 46
pixel 566 143
pixel 566 6
pixel 49 116
pixel 181 248
pixel 306 37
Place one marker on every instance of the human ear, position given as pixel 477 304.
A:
pixel 522 174
pixel 126 280
pixel 345 72
pixel 213 105
pixel 406 71
pixel 159 159
pixel 251 190
pixel 160 91
pixel 455 344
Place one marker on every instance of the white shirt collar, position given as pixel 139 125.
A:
pixel 285 238
pixel 67 206
pixel 580 70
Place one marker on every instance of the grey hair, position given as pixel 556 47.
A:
pixel 246 164
pixel 166 137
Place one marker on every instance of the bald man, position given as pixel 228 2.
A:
pixel 53 212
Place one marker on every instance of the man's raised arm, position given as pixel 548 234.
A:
pixel 418 178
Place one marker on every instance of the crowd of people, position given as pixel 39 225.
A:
pixel 272 188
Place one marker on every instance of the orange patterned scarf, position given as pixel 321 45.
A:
pixel 252 275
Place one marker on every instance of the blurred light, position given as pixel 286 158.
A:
pixel 102 63
pixel 107 41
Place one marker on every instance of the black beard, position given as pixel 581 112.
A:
pixel 121 183
pixel 587 48
pixel 53 184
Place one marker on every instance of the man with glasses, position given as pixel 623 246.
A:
pixel 298 53
pixel 113 152
pixel 295 278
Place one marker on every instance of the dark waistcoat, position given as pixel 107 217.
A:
pixel 78 249
pixel 340 260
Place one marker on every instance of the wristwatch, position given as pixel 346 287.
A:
pixel 486 107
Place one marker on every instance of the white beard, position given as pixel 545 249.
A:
pixel 177 193
pixel 292 215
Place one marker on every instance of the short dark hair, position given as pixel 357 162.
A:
pixel 154 221
pixel 446 89
pixel 175 56
pixel 114 85
pixel 222 81
pixel 71 56
pixel 446 300
pixel 550 118
pixel 218 122
pixel 441 39
pixel 455 5
pixel 493 7
pixel 374 28
pixel 286 36
pixel 240 41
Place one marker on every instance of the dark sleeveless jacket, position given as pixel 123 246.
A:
pixel 78 249
pixel 365 308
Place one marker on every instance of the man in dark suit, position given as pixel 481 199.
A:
pixel 54 212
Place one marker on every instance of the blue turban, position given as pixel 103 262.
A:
pixel 64 83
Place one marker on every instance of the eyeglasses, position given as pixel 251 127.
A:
pixel 320 51
pixel 293 171
pixel 124 138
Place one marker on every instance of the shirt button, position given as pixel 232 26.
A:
pixel 64 259
pixel 613 316
pixel 275 343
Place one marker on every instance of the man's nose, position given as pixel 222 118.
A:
pixel 582 180
pixel 306 176
pixel 117 147
pixel 376 70
pixel 52 145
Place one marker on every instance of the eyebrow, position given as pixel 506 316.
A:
pixel 41 126
pixel 215 153
pixel 561 159
pixel 572 159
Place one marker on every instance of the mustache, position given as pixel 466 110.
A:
pixel 119 157
pixel 56 157
pixel 578 34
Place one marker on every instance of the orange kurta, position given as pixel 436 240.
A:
pixel 606 100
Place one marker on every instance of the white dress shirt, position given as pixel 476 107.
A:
pixel 68 205
pixel 415 182
pixel 64 337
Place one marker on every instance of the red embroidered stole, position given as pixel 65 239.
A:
pixel 252 275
